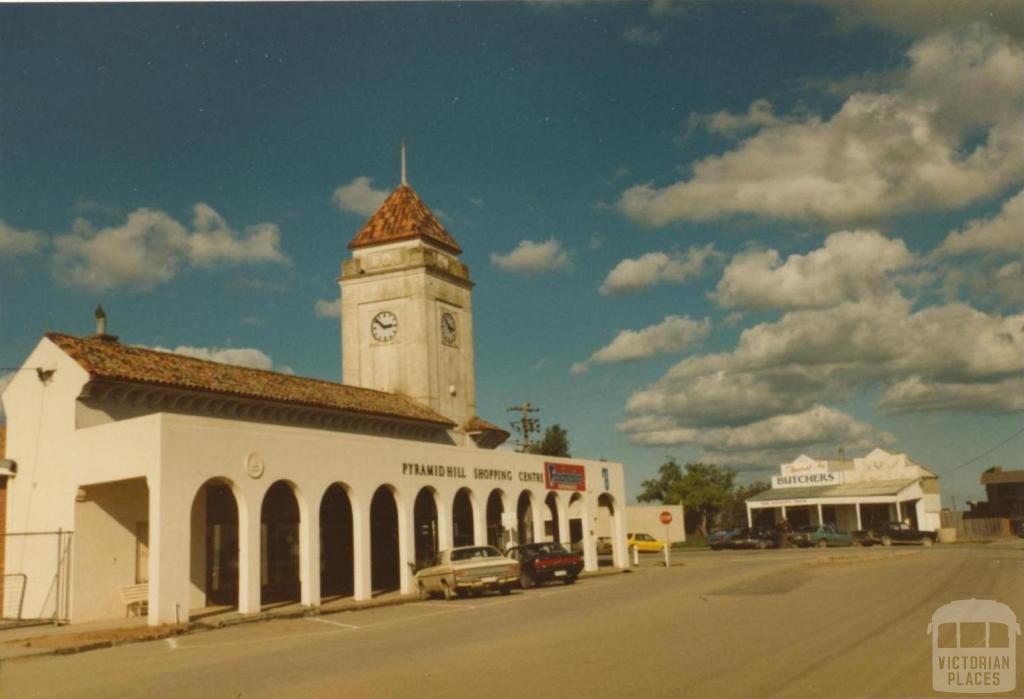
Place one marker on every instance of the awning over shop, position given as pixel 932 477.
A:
pixel 843 491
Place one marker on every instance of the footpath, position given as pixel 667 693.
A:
pixel 49 639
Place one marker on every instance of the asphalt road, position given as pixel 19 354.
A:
pixel 845 623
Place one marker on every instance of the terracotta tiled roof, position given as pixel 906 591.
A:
pixel 3 441
pixel 478 424
pixel 112 361
pixel 403 216
pixel 485 434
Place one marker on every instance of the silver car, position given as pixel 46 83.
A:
pixel 467 569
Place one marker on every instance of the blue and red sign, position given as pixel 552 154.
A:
pixel 564 476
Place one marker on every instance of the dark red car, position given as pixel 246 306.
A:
pixel 539 563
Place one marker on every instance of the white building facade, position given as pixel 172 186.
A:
pixel 219 485
pixel 851 494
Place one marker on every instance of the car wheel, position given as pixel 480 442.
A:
pixel 569 580
pixel 525 581
pixel 762 544
pixel 821 544
pixel 927 541
pixel 886 541
pixel 716 548
pixel 447 591
pixel 424 593
pixel 505 590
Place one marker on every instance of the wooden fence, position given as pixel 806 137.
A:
pixel 976 527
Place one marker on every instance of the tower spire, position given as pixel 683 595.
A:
pixel 404 181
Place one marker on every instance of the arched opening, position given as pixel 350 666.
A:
pixel 462 519
pixel 524 518
pixel 576 520
pixel 279 545
pixel 337 576
pixel 554 534
pixel 384 571
pixel 606 502
pixel 495 529
pixel 425 519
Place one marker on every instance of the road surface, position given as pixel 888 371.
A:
pixel 847 623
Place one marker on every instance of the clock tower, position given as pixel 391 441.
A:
pixel 406 314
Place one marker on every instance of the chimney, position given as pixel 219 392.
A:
pixel 101 326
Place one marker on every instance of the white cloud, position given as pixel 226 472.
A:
pixel 150 247
pixel 239 356
pixel 359 197
pixel 531 257
pixel 15 242
pixel 810 357
pixel 641 35
pixel 213 242
pixel 631 275
pixel 725 123
pixel 324 308
pixel 1008 282
pixel 919 146
pixel 927 16
pixel 673 334
pixel 764 441
pixel 850 265
pixel 917 395
pixel 1001 233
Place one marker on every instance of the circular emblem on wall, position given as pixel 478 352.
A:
pixel 254 465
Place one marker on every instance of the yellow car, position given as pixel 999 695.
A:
pixel 645 543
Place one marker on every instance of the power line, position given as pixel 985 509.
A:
pixel 985 453
pixel 525 425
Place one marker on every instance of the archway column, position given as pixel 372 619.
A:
pixel 589 541
pixel 620 556
pixel 406 544
pixel 362 584
pixel 309 553
pixel 445 537
pixel 249 526
pixel 168 546
pixel 537 508
pixel 479 504
pixel 563 521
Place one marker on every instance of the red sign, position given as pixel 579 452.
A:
pixel 666 518
pixel 564 477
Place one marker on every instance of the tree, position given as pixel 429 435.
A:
pixel 703 488
pixel 555 442
pixel 735 512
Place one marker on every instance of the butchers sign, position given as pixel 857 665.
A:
pixel 564 477
pixel 807 479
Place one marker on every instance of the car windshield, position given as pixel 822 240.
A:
pixel 544 548
pixel 475 552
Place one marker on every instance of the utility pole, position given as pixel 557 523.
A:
pixel 525 425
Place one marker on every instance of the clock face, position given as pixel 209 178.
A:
pixel 384 326
pixel 448 328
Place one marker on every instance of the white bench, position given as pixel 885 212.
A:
pixel 135 599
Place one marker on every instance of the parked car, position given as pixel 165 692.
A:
pixel 471 569
pixel 820 535
pixel 540 563
pixel 645 543
pixel 718 539
pixel 743 538
pixel 889 533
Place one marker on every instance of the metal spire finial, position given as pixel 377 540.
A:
pixel 404 181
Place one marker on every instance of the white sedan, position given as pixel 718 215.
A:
pixel 470 569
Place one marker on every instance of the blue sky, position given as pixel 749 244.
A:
pixel 730 231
